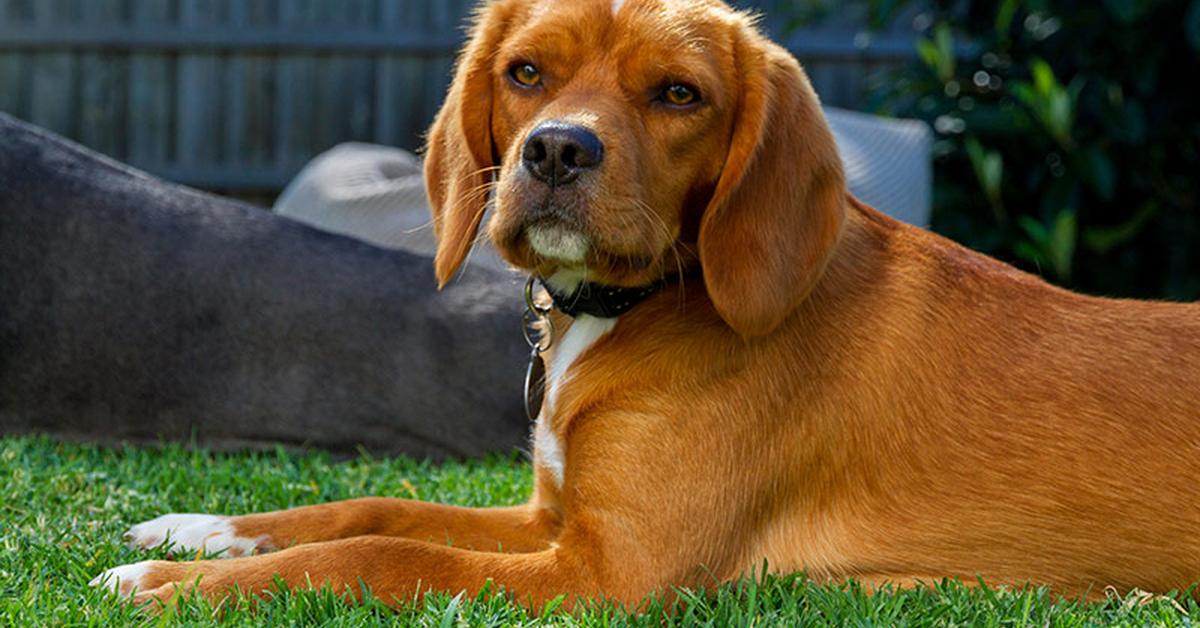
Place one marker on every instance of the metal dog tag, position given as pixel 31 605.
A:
pixel 538 328
pixel 535 384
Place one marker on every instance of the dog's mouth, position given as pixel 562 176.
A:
pixel 552 231
pixel 551 228
pixel 549 247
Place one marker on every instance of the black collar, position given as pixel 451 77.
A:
pixel 599 300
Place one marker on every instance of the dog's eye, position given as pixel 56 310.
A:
pixel 680 95
pixel 525 74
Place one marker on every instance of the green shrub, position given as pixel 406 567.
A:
pixel 1068 135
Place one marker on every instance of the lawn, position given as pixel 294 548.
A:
pixel 65 507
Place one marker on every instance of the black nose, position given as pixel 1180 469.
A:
pixel 557 153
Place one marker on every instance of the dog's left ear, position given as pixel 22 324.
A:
pixel 459 153
pixel 778 209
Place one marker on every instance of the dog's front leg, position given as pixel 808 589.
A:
pixel 395 570
pixel 513 529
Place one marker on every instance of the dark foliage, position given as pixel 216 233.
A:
pixel 1068 135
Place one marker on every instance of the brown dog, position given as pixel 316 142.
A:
pixel 816 385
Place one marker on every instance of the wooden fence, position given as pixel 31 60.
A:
pixel 238 94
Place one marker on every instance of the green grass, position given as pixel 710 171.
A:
pixel 65 506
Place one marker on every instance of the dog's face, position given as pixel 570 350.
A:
pixel 623 139
pixel 607 134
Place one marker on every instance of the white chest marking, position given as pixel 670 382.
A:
pixel 584 332
pixel 616 6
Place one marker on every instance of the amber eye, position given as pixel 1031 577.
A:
pixel 525 74
pixel 680 95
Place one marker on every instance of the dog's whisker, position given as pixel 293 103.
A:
pixel 428 224
pixel 655 220
pixel 469 175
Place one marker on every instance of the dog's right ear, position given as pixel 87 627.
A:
pixel 459 161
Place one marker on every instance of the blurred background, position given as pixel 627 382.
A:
pixel 1068 138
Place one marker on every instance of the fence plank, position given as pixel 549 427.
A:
pixel 103 87
pixel 345 87
pixel 250 96
pixel 14 77
pixel 54 94
pixel 12 80
pixel 214 39
pixel 296 87
pixel 200 119
pixel 448 16
pixel 151 90
pixel 17 11
pixel 403 88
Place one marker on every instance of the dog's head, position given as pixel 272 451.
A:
pixel 619 139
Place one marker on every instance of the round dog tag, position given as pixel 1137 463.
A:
pixel 535 384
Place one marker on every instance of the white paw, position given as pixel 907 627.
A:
pixel 125 580
pixel 193 533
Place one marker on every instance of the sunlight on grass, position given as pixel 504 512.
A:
pixel 65 506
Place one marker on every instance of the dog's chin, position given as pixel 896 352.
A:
pixel 561 254
pixel 555 248
pixel 559 243
pixel 562 263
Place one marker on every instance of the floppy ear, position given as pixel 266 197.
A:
pixel 459 155
pixel 778 209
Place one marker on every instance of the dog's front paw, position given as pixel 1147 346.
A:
pixel 193 533
pixel 128 580
pixel 162 581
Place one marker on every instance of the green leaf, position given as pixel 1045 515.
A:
pixel 1004 17
pixel 1043 77
pixel 1055 243
pixel 1024 92
pixel 1060 114
pixel 553 605
pixel 1053 104
pixel 450 615
pixel 1028 252
pixel 943 37
pixel 1036 230
pixel 993 171
pixel 989 170
pixel 938 52
pixel 929 54
pixel 1104 239
pixel 1062 246
pixel 1101 172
